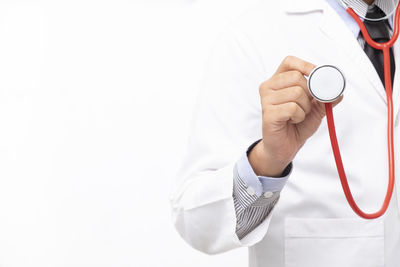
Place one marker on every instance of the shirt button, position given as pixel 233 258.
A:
pixel 251 191
pixel 268 194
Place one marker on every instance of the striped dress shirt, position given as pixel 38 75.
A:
pixel 254 196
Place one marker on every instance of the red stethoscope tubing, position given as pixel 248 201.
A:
pixel 385 47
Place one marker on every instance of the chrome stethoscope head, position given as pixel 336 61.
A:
pixel 326 83
pixel 360 8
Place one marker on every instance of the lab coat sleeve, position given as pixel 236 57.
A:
pixel 226 121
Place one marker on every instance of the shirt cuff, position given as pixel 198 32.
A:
pixel 261 184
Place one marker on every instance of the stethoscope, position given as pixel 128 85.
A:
pixel 326 83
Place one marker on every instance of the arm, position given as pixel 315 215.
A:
pixel 228 118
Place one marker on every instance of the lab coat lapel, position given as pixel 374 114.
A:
pixel 396 82
pixel 334 28
pixel 396 104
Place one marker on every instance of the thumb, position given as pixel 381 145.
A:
pixel 313 120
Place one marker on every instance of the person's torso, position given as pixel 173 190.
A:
pixel 312 224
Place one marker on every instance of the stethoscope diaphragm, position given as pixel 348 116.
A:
pixel 326 83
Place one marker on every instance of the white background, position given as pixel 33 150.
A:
pixel 95 101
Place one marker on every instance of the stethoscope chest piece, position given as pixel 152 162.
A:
pixel 326 83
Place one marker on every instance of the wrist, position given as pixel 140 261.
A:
pixel 264 164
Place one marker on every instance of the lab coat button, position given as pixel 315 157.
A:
pixel 268 194
pixel 251 191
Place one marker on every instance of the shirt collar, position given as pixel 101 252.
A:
pixel 362 8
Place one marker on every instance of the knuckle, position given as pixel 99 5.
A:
pixel 287 59
pixel 297 92
pixel 297 76
pixel 301 116
pixel 268 93
pixel 309 66
pixel 304 65
pixel 292 107
pixel 262 88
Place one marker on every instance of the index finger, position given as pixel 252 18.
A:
pixel 295 63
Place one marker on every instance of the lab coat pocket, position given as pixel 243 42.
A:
pixel 333 242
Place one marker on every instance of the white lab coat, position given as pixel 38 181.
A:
pixel 312 224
